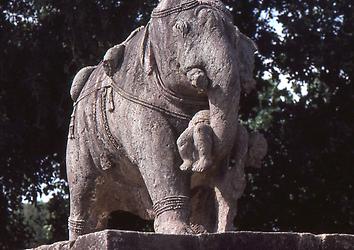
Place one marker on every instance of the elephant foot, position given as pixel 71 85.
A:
pixel 186 166
pixel 202 164
pixel 172 222
pixel 172 215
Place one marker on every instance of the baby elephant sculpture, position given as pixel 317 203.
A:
pixel 195 143
pixel 215 193
pixel 129 111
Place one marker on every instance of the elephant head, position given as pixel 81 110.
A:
pixel 199 52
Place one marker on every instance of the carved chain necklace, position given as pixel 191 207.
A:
pixel 177 9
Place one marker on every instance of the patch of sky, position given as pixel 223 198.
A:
pixel 229 8
pixel 271 17
pixel 46 196
pixel 16 18
pixel 287 84
pixel 54 185
pixel 117 3
pixel 139 17
pixel 31 15
pixel 338 24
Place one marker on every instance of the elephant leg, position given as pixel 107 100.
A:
pixel 226 210
pixel 228 190
pixel 168 186
pixel 203 216
pixel 82 178
pixel 170 197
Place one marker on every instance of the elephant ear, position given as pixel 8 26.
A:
pixel 246 50
pixel 113 59
pixel 147 54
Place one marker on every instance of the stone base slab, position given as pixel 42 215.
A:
pixel 126 240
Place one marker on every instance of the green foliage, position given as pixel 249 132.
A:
pixel 58 208
pixel 306 183
pixel 35 218
pixel 46 220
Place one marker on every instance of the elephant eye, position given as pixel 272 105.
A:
pixel 182 27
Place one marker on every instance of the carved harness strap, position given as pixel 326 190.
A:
pixel 165 91
pixel 187 6
pixel 177 9
pixel 147 104
pixel 173 96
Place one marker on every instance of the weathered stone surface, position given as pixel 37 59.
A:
pixel 337 242
pixel 131 108
pixel 123 240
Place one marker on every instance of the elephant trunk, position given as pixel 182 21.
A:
pixel 223 95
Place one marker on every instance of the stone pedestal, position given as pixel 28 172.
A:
pixel 124 240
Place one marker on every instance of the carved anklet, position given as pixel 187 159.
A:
pixel 76 226
pixel 171 203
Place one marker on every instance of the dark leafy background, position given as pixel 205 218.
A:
pixel 306 183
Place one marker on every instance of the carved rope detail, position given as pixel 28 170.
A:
pixel 107 129
pixel 72 124
pixel 76 226
pixel 173 10
pixel 171 95
pixel 171 203
pixel 147 104
pixel 185 6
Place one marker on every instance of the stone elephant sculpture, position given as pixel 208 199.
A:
pixel 130 109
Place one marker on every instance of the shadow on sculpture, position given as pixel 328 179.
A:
pixel 178 79
pixel 121 220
